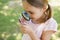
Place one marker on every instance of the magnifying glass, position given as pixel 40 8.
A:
pixel 26 15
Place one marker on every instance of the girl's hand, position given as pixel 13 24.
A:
pixel 22 20
pixel 25 29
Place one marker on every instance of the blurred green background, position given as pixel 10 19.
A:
pixel 9 20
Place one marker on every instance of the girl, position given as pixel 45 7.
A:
pixel 41 24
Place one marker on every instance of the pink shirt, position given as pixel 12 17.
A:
pixel 50 24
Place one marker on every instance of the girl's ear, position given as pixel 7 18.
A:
pixel 45 8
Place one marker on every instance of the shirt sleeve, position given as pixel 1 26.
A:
pixel 52 25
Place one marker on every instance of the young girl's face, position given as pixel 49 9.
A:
pixel 34 12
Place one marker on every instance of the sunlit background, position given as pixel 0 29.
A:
pixel 9 19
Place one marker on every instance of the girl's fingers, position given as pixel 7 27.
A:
pixel 22 21
pixel 23 30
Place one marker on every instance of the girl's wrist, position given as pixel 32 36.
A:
pixel 31 32
pixel 33 36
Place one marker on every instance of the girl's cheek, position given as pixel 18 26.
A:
pixel 37 15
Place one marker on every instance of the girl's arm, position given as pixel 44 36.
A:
pixel 33 36
pixel 26 30
pixel 29 31
pixel 46 35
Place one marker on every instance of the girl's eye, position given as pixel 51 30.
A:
pixel 30 12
